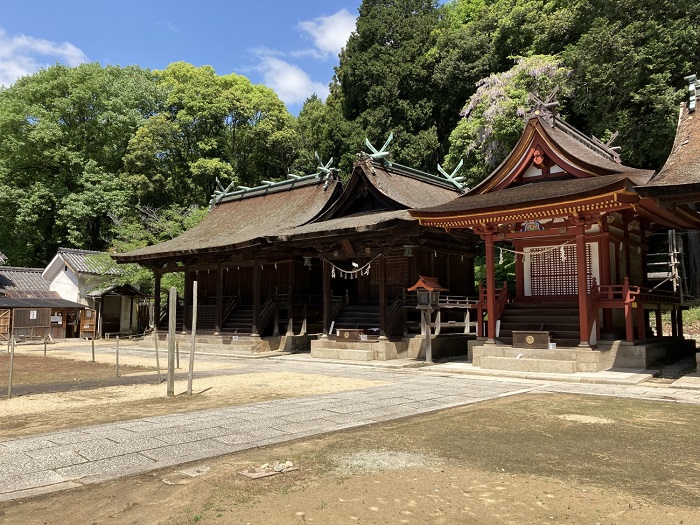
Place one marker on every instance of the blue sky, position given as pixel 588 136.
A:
pixel 290 46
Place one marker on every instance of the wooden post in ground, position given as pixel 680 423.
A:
pixel 155 334
pixel 194 330
pixel 172 311
pixel 428 336
pixel 117 356
pixel 44 346
pixel 12 364
pixel 93 348
pixel 177 355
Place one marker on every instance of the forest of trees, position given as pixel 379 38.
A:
pixel 108 157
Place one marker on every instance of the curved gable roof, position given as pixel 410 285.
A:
pixel 679 179
pixel 384 186
pixel 576 154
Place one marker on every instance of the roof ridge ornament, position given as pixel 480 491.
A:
pixel 457 181
pixel 325 172
pixel 221 192
pixel 692 86
pixel 613 150
pixel 543 108
pixel 382 153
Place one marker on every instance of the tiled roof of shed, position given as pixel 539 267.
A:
pixel 79 261
pixel 14 279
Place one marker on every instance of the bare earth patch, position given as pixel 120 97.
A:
pixel 35 413
pixel 511 461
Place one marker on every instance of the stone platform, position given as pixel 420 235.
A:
pixel 605 355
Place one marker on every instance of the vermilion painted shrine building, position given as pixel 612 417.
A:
pixel 307 255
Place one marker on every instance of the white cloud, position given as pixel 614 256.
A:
pixel 330 33
pixel 22 55
pixel 290 82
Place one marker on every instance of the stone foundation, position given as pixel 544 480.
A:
pixel 606 355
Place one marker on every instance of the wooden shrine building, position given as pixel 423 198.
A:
pixel 577 221
pixel 309 256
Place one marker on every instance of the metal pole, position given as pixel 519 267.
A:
pixel 172 314
pixel 12 364
pixel 194 330
pixel 117 356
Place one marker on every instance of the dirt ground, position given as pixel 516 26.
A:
pixel 34 413
pixel 529 459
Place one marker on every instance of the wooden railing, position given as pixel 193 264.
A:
pixel 593 300
pixel 501 297
pixel 267 312
pixel 395 314
pixel 628 297
pixel 337 303
pixel 230 306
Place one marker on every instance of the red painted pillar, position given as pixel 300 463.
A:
pixel 490 288
pixel 605 278
pixel 581 279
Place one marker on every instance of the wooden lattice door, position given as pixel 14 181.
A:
pixel 5 316
pixel 553 270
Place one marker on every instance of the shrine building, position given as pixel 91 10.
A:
pixel 577 222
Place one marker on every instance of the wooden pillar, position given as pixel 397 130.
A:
pixel 659 323
pixel 679 322
pixel 327 297
pixel 490 289
pixel 383 321
pixel 674 323
pixel 629 332
pixel 257 277
pixel 605 278
pixel 187 299
pixel 626 232
pixel 644 249
pixel 641 323
pixel 519 272
pixel 158 275
pixel 581 279
pixel 219 300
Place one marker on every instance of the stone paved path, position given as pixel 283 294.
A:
pixel 59 460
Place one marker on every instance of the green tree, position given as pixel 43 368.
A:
pixel 63 133
pixel 212 127
pixel 384 79
pixel 145 226
pixel 494 115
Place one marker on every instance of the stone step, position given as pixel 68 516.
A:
pixel 552 366
pixel 565 343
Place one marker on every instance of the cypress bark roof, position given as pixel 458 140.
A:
pixel 533 194
pixel 679 179
pixel 244 220
pixel 376 197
